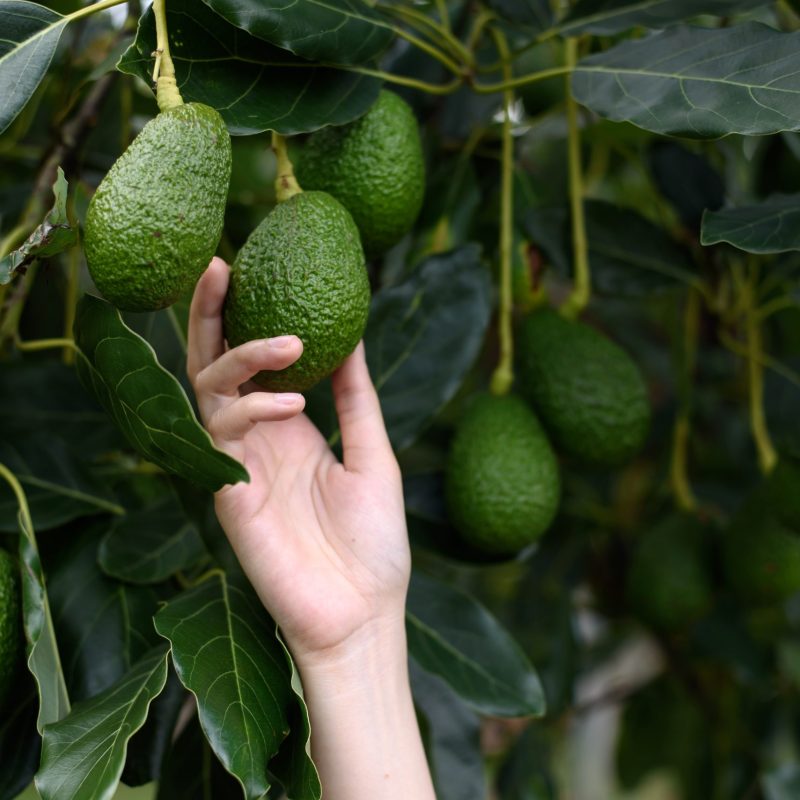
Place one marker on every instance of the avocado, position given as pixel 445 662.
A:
pixel 374 167
pixel 156 219
pixel 669 583
pixel 301 272
pixel 10 623
pixel 784 492
pixel 590 395
pixel 502 483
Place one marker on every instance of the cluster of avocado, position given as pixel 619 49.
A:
pixel 157 218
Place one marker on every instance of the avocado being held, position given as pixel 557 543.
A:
pixel 374 167
pixel 588 392
pixel 10 622
pixel 301 272
pixel 502 482
pixel 156 219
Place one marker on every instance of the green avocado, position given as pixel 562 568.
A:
pixel 502 482
pixel 669 583
pixel 301 272
pixel 156 219
pixel 10 623
pixel 590 395
pixel 374 167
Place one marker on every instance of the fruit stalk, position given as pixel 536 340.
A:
pixel 167 94
pixel 286 184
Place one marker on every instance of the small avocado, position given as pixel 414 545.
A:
pixel 374 167
pixel 156 219
pixel 590 395
pixel 502 482
pixel 10 623
pixel 301 272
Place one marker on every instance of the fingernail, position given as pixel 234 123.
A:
pixel 288 398
pixel 280 341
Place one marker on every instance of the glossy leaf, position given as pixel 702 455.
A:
pixel 147 403
pixel 30 37
pixel 83 754
pixel 225 652
pixel 697 82
pixel 20 743
pixel 607 17
pixel 453 636
pixel 782 783
pixel 337 31
pixel 150 545
pixel 772 226
pixel 255 86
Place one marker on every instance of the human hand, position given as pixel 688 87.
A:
pixel 324 543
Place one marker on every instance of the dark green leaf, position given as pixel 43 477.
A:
pixel 255 86
pixel 83 754
pixel 51 237
pixel 338 31
pixel 150 545
pixel 453 636
pixel 772 226
pixel 782 783
pixel 607 17
pixel 30 37
pixel 147 402
pixel 534 14
pixel 226 653
pixel 20 743
pixel 698 82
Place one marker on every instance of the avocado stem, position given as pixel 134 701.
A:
pixel 167 94
pixel 286 184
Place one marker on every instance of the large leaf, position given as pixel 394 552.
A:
pixel 150 545
pixel 607 17
pixel 147 402
pixel 29 40
pixel 772 226
pixel 454 637
pixel 337 31
pixel 19 740
pixel 226 653
pixel 534 14
pixel 83 754
pixel 698 82
pixel 782 783
pixel 255 86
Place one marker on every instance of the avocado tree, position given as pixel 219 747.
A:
pixel 586 343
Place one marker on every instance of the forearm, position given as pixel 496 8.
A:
pixel 364 734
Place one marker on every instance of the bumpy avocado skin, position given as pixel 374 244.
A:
pixel 590 395
pixel 10 623
pixel 502 481
pixel 156 219
pixel 301 272
pixel 374 167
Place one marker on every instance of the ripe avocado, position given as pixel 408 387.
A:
pixel 374 167
pixel 156 219
pixel 301 272
pixel 10 623
pixel 590 395
pixel 502 482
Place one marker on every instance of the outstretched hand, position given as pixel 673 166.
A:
pixel 323 542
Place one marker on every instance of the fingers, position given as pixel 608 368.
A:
pixel 365 443
pixel 206 341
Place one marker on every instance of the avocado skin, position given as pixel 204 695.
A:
pixel 590 395
pixel 374 167
pixel 10 623
pixel 301 272
pixel 502 482
pixel 156 219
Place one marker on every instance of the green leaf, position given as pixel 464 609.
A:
pixel 337 31
pixel 607 17
pixel 782 783
pixel 83 754
pixel 772 226
pixel 255 86
pixel 51 237
pixel 30 37
pixel 534 14
pixel 226 653
pixel 148 404
pixel 150 545
pixel 698 82
pixel 451 635
pixel 20 743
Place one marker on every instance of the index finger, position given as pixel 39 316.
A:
pixel 206 339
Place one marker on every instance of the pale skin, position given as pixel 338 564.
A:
pixel 325 545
